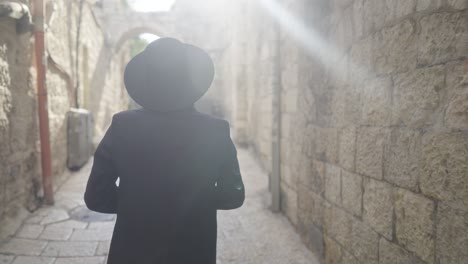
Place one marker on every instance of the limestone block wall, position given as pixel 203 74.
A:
pixel 112 95
pixel 19 177
pixel 374 146
pixel 75 41
pixel 78 59
pixel 382 169
pixel 251 75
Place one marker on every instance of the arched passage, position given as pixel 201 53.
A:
pixel 135 32
pixel 124 25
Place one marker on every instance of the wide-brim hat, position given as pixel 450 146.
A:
pixel 169 75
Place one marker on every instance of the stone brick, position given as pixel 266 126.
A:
pixel 35 219
pixel 56 233
pixel 289 80
pixel 73 224
pixel 288 176
pixel 396 48
pixel 361 60
pixel 304 220
pixel 349 259
pixel 103 248
pixel 370 147
pixel 452 235
pixel 390 253
pixel 458 4
pixel 404 8
pixel 6 259
pixel 360 27
pixel 92 234
pixel 30 231
pixel 70 249
pixel 316 240
pixel 54 215
pixel 289 203
pixel 24 247
pixel 289 101
pixel 423 5
pixel 324 105
pixel 351 106
pixel 376 101
pixel 380 12
pixel 352 192
pixel 338 225
pixel 33 260
pixel 457 75
pixel 364 244
pixel 326 144
pixel 13 216
pixel 313 176
pixel 443 37
pixel 417 96
pixel 333 184
pixel 415 223
pixel 347 148
pixel 87 260
pixel 286 126
pixel 456 116
pixel 311 207
pixel 333 251
pixel 102 225
pixel 444 167
pixel 401 158
pixel 378 206
pixel 339 76
pixel 340 4
pixel 342 31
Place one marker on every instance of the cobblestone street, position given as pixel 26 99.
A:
pixel 67 233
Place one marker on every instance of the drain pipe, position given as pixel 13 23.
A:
pixel 43 111
pixel 276 125
pixel 77 61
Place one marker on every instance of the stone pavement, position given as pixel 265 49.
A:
pixel 68 233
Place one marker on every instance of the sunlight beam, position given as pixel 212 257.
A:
pixel 312 42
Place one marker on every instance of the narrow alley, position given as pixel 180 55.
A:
pixel 68 233
pixel 351 118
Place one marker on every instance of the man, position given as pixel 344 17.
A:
pixel 175 166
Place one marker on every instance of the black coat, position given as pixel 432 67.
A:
pixel 175 170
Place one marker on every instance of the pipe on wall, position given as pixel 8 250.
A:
pixel 77 60
pixel 43 110
pixel 275 178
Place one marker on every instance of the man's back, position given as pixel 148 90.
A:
pixel 175 170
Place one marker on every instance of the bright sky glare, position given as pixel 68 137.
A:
pixel 149 37
pixel 151 5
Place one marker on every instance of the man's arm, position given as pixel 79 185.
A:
pixel 101 190
pixel 230 192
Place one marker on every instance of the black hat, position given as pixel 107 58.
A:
pixel 169 75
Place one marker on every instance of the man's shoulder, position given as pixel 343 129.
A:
pixel 125 115
pixel 202 117
pixel 213 119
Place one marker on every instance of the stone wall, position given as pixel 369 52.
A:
pixel 85 72
pixel 19 175
pixel 374 142
pixel 82 71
